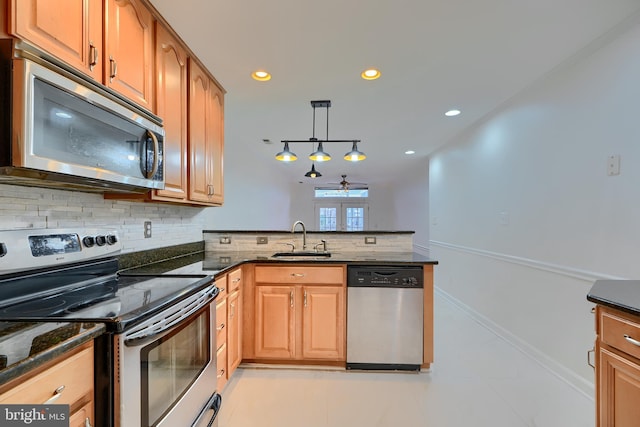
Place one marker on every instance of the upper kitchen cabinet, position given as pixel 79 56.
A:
pixel 206 137
pixel 70 30
pixel 128 46
pixel 171 105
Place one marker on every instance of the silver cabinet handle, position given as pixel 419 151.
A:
pixel 631 340
pixel 56 395
pixel 113 68
pixel 236 280
pixel 589 353
pixel 93 54
pixel 221 327
pixel 156 155
pixel 87 422
pixel 297 274
pixel 221 289
pixel 221 374
pixel 305 298
pixel 291 299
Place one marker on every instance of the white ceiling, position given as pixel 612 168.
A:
pixel 433 54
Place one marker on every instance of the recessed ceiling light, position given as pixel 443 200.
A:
pixel 409 152
pixel 261 76
pixel 370 74
pixel 453 112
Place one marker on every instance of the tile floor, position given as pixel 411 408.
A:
pixel 478 380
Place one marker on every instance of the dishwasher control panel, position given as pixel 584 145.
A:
pixel 385 276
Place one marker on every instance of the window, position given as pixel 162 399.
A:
pixel 341 216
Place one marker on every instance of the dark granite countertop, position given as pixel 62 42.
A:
pixel 215 263
pixel 27 345
pixel 620 294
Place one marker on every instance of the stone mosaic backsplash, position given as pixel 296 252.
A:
pixel 278 241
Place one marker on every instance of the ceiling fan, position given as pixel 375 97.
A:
pixel 345 185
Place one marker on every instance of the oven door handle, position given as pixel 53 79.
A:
pixel 157 325
pixel 214 404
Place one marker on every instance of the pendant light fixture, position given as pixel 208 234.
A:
pixel 313 173
pixel 319 155
pixel 286 155
pixel 354 155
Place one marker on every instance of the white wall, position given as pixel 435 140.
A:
pixel 411 205
pixel 523 214
pixel 380 200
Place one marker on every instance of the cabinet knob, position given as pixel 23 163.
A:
pixel 87 422
pixel 221 374
pixel 221 327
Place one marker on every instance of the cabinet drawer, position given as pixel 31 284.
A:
pixel 333 275
pixel 621 333
pixel 74 372
pixel 221 283
pixel 221 322
pixel 234 279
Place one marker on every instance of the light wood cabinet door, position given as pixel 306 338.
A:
pixel 221 365
pixel 83 417
pixel 234 338
pixel 70 30
pixel 323 323
pixel 129 50
pixel 171 105
pixel 206 137
pixel 619 390
pixel 275 322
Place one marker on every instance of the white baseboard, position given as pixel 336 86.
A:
pixel 574 380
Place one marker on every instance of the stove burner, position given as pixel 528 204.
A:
pixel 42 307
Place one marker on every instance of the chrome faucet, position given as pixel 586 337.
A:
pixel 304 233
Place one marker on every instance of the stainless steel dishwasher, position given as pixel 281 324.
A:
pixel 385 312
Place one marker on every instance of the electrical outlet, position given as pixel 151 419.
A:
pixel 613 165
pixel 369 240
pixel 262 240
pixel 147 229
pixel 225 240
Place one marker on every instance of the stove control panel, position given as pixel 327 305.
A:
pixel 35 248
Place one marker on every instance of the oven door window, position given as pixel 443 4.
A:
pixel 171 364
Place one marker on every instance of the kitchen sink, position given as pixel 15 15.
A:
pixel 301 254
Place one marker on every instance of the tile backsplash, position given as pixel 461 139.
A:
pixel 221 241
pixel 31 207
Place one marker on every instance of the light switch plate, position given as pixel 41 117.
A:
pixel 262 240
pixel 369 240
pixel 225 240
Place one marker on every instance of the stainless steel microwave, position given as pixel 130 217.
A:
pixel 58 130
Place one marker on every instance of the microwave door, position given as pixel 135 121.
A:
pixel 86 136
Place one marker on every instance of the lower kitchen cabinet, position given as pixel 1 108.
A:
pixel 228 325
pixel 66 380
pixel 617 368
pixel 300 322
pixel 323 323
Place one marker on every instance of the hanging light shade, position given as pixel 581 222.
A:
pixel 354 155
pixel 319 155
pixel 286 155
pixel 313 173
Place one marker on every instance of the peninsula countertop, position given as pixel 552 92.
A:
pixel 218 262
pixel 623 295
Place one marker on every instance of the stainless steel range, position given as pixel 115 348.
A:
pixel 155 365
